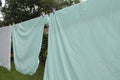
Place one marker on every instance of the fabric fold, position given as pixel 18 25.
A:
pixel 27 41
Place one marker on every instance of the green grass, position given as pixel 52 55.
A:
pixel 14 75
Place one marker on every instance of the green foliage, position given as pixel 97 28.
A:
pixel 66 3
pixel 43 53
pixel 2 24
pixel 16 11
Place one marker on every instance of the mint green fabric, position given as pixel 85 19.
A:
pixel 84 42
pixel 27 40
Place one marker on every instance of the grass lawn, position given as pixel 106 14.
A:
pixel 14 75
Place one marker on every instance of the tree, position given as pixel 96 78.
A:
pixel 16 11
pixel 66 3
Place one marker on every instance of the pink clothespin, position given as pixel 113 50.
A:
pixel 54 10
pixel 43 14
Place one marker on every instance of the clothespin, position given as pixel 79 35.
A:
pixel 43 14
pixel 54 10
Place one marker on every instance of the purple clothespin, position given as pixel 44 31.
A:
pixel 54 10
pixel 43 14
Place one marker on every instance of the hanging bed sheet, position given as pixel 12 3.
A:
pixel 27 41
pixel 84 42
pixel 5 47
